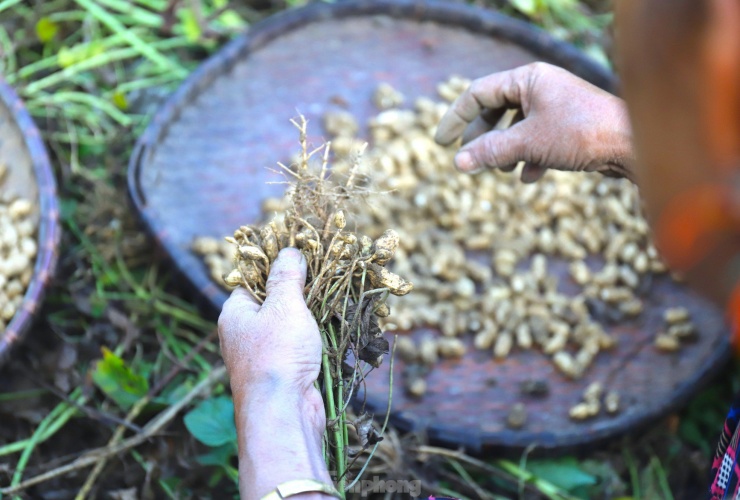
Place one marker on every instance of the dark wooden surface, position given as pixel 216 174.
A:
pixel 30 176
pixel 469 399
pixel 202 167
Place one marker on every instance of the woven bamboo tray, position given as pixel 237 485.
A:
pixel 30 176
pixel 202 168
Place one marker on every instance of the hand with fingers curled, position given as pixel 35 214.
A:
pixel 277 342
pixel 567 124
pixel 272 352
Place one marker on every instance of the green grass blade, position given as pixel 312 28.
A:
pixel 8 64
pixel 15 396
pixel 137 15
pixel 52 61
pixel 8 4
pixel 93 102
pixel 143 48
pixel 61 421
pixel 101 60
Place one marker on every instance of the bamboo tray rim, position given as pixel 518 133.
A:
pixel 48 232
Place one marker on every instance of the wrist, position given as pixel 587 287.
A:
pixel 280 400
pixel 255 381
pixel 280 429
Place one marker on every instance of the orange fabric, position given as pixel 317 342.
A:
pixel 691 221
pixel 689 229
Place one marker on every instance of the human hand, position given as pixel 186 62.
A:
pixel 273 352
pixel 568 124
pixel 276 344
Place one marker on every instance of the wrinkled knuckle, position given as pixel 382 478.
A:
pixel 224 322
pixel 240 327
pixel 304 318
pixel 497 152
pixel 529 149
pixel 475 89
pixel 535 69
pixel 273 312
pixel 536 66
pixel 486 156
pixel 540 67
pixel 456 109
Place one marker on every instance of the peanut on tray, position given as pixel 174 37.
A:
pixel 17 250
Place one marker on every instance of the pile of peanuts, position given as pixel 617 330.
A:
pixel 479 248
pixel 18 249
pixel 218 256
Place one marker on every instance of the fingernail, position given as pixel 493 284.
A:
pixel 464 161
pixel 290 253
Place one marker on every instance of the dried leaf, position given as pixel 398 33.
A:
pixel 366 432
pixel 373 352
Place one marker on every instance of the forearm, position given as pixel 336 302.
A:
pixel 280 434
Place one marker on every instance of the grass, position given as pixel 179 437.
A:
pixel 78 65
pixel 90 72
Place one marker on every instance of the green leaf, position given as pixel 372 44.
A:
pixel 189 24
pixel 118 381
pixel 176 391
pixel 527 7
pixel 232 20
pixel 173 486
pixel 46 29
pixel 218 456
pixel 596 52
pixel 215 478
pixel 565 473
pixel 212 421
pixel 119 100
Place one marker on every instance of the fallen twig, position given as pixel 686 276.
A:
pixel 152 428
pixel 136 409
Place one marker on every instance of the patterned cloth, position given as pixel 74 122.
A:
pixel 725 467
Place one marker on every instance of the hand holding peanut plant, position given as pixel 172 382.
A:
pixel 311 253
pixel 273 354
